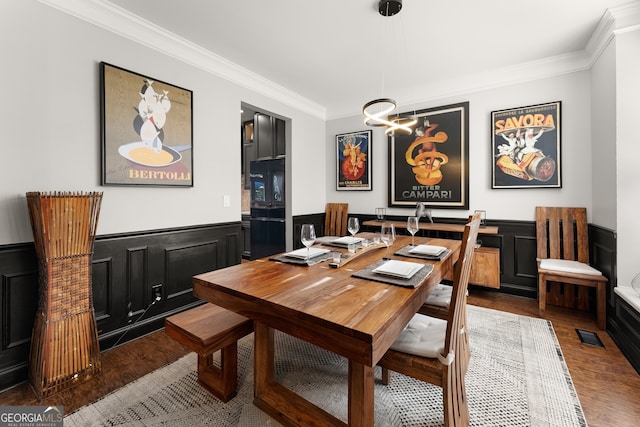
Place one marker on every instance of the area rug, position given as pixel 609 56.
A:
pixel 517 377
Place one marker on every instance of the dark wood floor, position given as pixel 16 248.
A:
pixel 607 385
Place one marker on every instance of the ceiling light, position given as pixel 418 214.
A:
pixel 401 125
pixel 374 111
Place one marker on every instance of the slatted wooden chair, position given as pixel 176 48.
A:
pixel 437 351
pixel 562 236
pixel 438 302
pixel 335 221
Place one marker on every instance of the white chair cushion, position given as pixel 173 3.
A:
pixel 568 266
pixel 423 336
pixel 440 296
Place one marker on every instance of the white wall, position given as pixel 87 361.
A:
pixel 573 90
pixel 603 130
pixel 51 128
pixel 628 154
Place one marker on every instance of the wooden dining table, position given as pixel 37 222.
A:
pixel 327 307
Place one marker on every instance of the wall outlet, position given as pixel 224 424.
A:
pixel 226 201
pixel 156 291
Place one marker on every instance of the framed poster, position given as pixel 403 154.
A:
pixel 353 156
pixel 147 130
pixel 431 165
pixel 526 147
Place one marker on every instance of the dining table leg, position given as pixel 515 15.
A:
pixel 264 366
pixel 361 394
pixel 291 409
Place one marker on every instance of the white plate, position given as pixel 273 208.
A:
pixel 428 250
pixel 346 240
pixel 401 269
pixel 302 253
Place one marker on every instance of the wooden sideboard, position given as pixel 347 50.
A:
pixel 485 269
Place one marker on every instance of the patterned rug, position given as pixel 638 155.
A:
pixel 517 377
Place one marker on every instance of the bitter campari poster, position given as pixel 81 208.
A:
pixel 431 165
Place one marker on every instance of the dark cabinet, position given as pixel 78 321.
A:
pixel 279 140
pixel 246 236
pixel 264 135
pixel 248 150
pixel 269 135
pixel 248 155
pixel 262 138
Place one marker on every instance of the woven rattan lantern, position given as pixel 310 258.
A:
pixel 64 344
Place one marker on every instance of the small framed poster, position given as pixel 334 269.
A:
pixel 526 147
pixel 353 157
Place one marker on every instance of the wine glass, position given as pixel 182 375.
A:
pixel 353 225
pixel 388 235
pixel 308 236
pixel 412 227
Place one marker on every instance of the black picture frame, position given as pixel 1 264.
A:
pixel 431 165
pixel 527 147
pixel 146 130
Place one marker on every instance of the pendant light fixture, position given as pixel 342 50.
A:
pixel 374 112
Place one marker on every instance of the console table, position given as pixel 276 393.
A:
pixel 485 269
pixel 432 226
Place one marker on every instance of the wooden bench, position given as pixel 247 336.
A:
pixel 205 330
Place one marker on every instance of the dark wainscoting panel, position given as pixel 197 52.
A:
pixel 624 328
pixel 124 269
pixel 519 274
pixel 602 250
pixel 318 224
pixel 182 260
pixel 623 321
pixel 18 304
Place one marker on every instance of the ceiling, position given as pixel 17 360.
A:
pixel 340 54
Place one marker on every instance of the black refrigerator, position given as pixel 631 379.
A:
pixel 267 207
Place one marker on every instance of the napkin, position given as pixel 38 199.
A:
pixel 346 240
pixel 402 269
pixel 302 253
pixel 428 250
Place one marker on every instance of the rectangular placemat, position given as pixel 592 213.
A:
pixel 299 261
pixel 414 282
pixel 405 252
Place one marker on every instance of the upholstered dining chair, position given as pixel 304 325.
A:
pixel 335 220
pixel 562 237
pixel 438 302
pixel 437 351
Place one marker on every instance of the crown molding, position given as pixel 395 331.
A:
pixel 112 18
pixel 615 21
pixel 119 21
pixel 472 82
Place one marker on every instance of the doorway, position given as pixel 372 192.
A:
pixel 265 136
